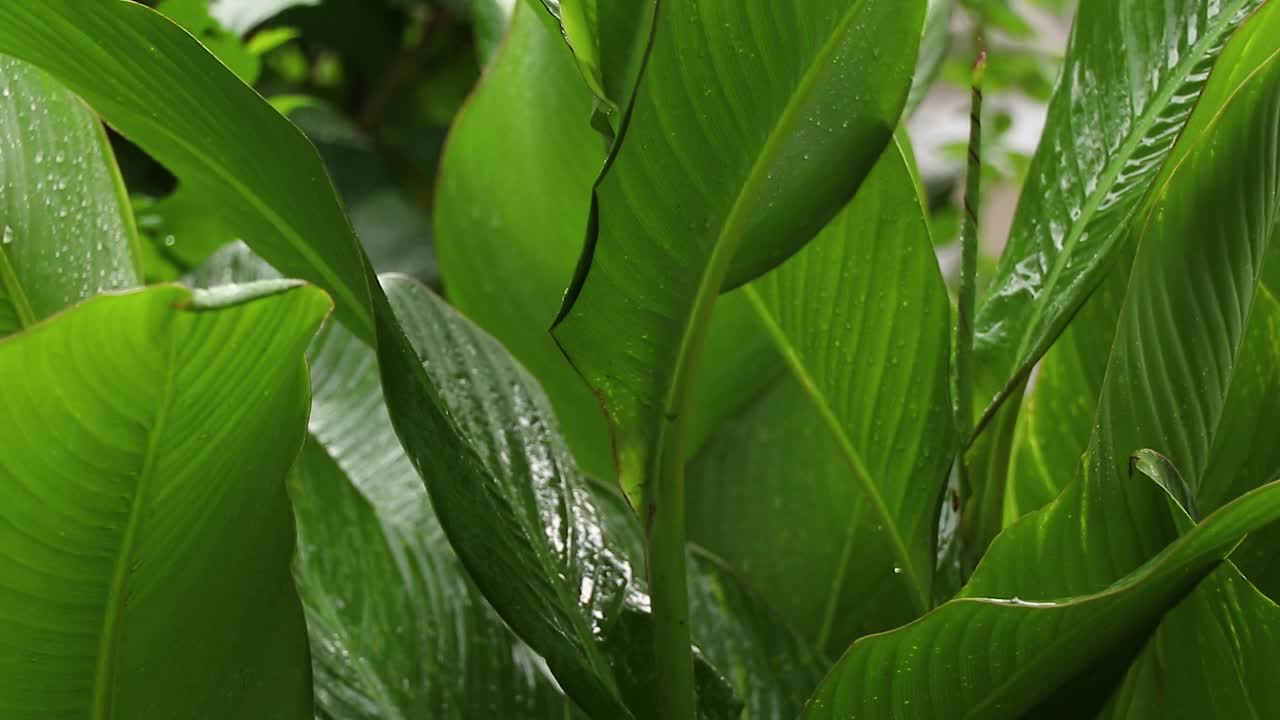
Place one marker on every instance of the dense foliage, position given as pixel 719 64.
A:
pixel 667 402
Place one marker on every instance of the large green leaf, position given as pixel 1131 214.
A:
pixel 825 492
pixel 66 230
pixel 564 547
pixel 1177 345
pixel 752 125
pixel 980 657
pixel 513 199
pixel 144 523
pixel 1131 78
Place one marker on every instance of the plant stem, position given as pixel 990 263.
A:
pixel 968 279
pixel 668 587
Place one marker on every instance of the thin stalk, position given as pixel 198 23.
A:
pixel 969 269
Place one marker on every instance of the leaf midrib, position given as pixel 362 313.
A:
pixel 117 597
pixel 801 372
pixel 1112 170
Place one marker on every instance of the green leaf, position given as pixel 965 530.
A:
pixel 1176 347
pixel 397 628
pixel 511 211
pixel 1132 75
pixel 825 492
pixel 66 230
pixel 543 542
pixel 1056 419
pixel 522 519
pixel 154 83
pixel 983 657
pixel 146 530
pixel 751 167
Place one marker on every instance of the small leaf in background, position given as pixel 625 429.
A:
pixel 66 229
pixel 145 530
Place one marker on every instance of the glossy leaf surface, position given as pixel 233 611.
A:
pixel 825 492
pixel 66 230
pixel 722 172
pixel 1132 75
pixel 398 630
pixel 145 527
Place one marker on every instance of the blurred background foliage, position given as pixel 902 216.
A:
pixel 375 84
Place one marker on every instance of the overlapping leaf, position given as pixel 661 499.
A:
pixel 66 230
pixel 145 532
pixel 825 492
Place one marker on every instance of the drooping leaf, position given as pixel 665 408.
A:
pixel 825 492
pixel 1132 75
pixel 145 530
pixel 66 230
pixel 722 172
pixel 514 194
pixel 1176 347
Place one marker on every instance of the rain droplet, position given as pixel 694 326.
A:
pixel 8 235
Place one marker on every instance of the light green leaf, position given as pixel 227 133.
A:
pixel 825 492
pixel 66 230
pixel 513 200
pixel 144 523
pixel 1132 75
pixel 721 173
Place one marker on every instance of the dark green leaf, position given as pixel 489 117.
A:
pixel 144 523
pixel 66 230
